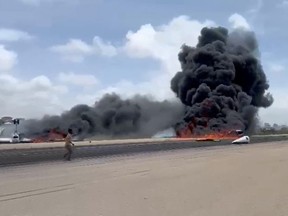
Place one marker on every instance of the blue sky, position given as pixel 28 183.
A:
pixel 57 53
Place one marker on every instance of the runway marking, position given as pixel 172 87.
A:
pixel 39 189
pixel 141 171
pixel 64 188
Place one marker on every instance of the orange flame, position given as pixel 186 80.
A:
pixel 188 133
pixel 53 136
pixel 223 135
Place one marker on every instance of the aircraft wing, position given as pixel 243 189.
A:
pixel 5 140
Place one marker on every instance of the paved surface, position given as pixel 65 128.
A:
pixel 241 180
pixel 23 146
pixel 16 154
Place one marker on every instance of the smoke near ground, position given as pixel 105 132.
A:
pixel 222 83
pixel 221 86
pixel 111 117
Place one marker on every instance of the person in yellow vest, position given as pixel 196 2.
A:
pixel 68 144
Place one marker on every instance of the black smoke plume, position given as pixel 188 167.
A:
pixel 222 83
pixel 221 86
pixel 111 117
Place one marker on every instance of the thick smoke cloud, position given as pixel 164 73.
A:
pixel 220 87
pixel 222 83
pixel 112 117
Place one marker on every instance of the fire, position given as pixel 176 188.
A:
pixel 224 135
pixel 52 136
pixel 188 133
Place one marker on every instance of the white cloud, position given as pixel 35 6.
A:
pixel 163 42
pixel 238 21
pixel 9 35
pixel 27 98
pixel 78 79
pixel 76 50
pixel 103 48
pixel 8 59
pixel 160 42
pixel 32 98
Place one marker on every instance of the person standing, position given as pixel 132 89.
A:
pixel 68 145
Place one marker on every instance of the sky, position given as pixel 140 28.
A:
pixel 58 53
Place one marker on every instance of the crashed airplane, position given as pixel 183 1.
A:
pixel 242 140
pixel 9 134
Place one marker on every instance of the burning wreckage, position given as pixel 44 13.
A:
pixel 12 132
pixel 220 87
pixel 15 137
pixel 228 135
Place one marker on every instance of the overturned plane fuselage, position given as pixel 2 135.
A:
pixel 242 140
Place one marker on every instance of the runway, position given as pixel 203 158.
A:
pixel 19 154
pixel 239 180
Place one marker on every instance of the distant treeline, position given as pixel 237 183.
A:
pixel 273 129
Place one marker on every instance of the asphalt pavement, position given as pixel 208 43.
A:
pixel 15 157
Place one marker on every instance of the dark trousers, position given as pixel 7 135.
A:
pixel 69 152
